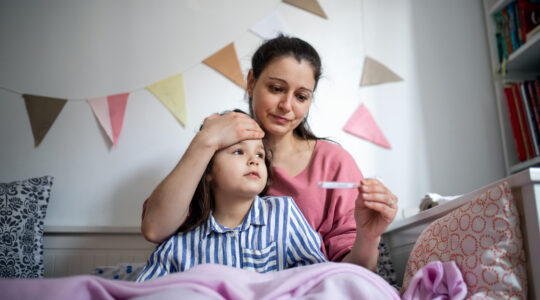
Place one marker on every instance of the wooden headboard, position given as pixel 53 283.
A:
pixel 402 234
pixel 78 250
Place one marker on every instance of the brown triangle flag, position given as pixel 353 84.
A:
pixel 376 73
pixel 309 5
pixel 225 61
pixel 42 112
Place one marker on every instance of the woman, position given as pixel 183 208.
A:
pixel 284 75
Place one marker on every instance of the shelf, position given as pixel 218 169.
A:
pixel 526 164
pixel 499 5
pixel 526 58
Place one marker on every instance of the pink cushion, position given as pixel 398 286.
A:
pixel 484 239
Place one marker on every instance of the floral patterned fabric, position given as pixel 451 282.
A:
pixel 23 205
pixel 385 268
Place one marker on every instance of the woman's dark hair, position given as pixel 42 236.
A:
pixel 284 46
pixel 203 200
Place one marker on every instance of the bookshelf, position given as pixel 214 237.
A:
pixel 523 64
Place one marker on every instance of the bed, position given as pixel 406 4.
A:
pixel 120 252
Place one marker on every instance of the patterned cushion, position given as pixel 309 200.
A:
pixel 23 205
pixel 385 268
pixel 484 239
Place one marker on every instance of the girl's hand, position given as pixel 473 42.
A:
pixel 376 208
pixel 221 131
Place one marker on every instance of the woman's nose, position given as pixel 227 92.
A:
pixel 286 102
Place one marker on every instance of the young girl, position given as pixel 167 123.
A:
pixel 230 224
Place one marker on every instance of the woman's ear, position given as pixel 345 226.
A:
pixel 250 83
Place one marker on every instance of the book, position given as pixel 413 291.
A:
pixel 529 117
pixel 529 16
pixel 514 123
pixel 523 121
pixel 513 28
pixel 500 37
pixel 506 30
pixel 529 86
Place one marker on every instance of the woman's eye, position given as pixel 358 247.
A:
pixel 275 88
pixel 302 98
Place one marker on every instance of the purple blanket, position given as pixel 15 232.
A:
pixel 319 281
pixel 437 280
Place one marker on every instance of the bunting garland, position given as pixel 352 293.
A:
pixel 42 112
pixel 225 61
pixel 110 110
pixel 170 92
pixel 363 125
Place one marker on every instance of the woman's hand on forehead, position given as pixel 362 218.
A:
pixel 222 131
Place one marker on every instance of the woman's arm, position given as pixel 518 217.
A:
pixel 168 205
pixel 376 207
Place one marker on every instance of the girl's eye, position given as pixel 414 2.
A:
pixel 260 155
pixel 238 152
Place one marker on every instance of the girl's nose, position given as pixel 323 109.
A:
pixel 253 161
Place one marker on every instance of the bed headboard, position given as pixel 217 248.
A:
pixel 402 234
pixel 78 250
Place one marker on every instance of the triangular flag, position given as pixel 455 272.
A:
pixel 225 61
pixel 364 126
pixel 42 112
pixel 117 109
pixel 100 107
pixel 376 73
pixel 170 92
pixel 309 5
pixel 269 27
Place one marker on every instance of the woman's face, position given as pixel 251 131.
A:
pixel 282 94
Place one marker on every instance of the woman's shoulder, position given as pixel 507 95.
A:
pixel 327 149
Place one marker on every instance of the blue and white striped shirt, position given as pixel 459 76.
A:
pixel 273 236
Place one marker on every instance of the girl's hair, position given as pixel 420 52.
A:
pixel 203 200
pixel 284 46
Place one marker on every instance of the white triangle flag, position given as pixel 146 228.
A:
pixel 269 27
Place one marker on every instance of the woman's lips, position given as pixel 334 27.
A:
pixel 280 120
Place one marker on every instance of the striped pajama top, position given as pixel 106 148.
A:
pixel 273 236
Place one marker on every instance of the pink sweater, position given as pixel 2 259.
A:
pixel 330 212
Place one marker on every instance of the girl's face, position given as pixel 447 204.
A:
pixel 282 94
pixel 239 170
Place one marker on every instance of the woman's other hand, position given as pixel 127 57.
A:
pixel 376 208
pixel 221 131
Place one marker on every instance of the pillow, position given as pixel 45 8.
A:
pixel 23 205
pixel 385 268
pixel 484 239
pixel 122 271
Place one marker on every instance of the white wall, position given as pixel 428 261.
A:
pixel 441 120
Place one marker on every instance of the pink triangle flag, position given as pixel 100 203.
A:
pixel 364 126
pixel 100 107
pixel 117 109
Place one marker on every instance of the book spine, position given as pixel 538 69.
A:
pixel 516 131
pixel 506 30
pixel 500 37
pixel 530 118
pixel 522 23
pixel 522 121
pixel 529 86
pixel 512 25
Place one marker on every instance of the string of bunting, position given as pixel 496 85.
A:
pixel 109 110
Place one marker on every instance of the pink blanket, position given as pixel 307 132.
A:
pixel 319 281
